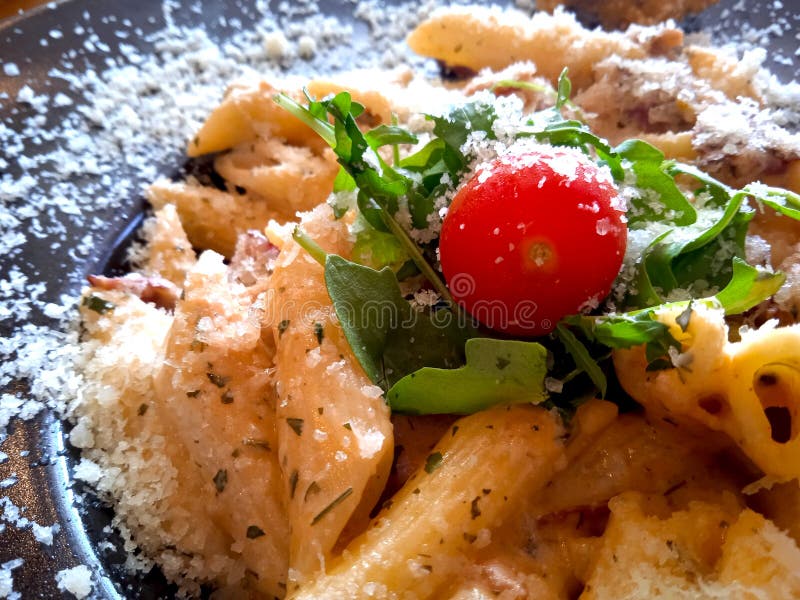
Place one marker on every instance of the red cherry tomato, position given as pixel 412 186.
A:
pixel 532 237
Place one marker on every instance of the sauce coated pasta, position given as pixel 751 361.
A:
pixel 288 399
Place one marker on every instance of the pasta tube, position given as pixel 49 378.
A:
pixel 482 37
pixel 472 481
pixel 215 391
pixel 749 389
pixel 334 433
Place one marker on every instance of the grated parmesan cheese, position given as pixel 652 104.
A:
pixel 7 579
pixel 63 153
pixel 77 581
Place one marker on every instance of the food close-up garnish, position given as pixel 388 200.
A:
pixel 524 329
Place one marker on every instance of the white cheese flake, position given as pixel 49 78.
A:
pixel 77 581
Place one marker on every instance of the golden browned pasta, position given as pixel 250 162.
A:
pixel 745 389
pixel 648 551
pixel 214 387
pixel 169 253
pixel 285 178
pixel 212 219
pixel 334 434
pixel 780 503
pixel 124 350
pixel 482 37
pixel 646 455
pixel 758 559
pixel 475 478
pixel 248 111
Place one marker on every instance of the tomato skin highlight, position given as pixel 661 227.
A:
pixel 531 238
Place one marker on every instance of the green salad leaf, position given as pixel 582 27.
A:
pixel 583 359
pixel 388 336
pixel 698 226
pixel 651 170
pixel 496 372
pixel 703 255
pixel 455 126
pixel 783 201
pixel 748 287
pixel 376 249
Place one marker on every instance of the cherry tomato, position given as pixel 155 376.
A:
pixel 532 237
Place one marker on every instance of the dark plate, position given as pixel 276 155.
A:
pixel 38 456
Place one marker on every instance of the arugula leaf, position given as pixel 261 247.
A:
pixel 583 360
pixel 388 336
pixel 496 372
pixel 617 331
pixel 670 264
pixel 314 116
pixel 748 287
pixel 344 182
pixel 389 135
pixel 663 200
pixel 564 89
pixel 680 258
pixel 712 263
pixel 455 126
pixel 429 156
pixel 652 173
pixel 526 85
pixel 620 331
pixel 376 249
pixel 783 201
pixel 561 132
pixel 379 186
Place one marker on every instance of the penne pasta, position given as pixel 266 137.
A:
pixel 476 477
pixel 169 253
pixel 218 402
pixel 212 219
pixel 334 434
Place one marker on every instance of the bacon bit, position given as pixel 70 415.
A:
pixel 454 72
pixel 154 290
pixel 765 311
pixel 253 258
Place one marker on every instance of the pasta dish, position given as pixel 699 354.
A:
pixel 523 331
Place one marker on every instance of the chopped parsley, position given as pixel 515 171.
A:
pixel 97 304
pixel 254 531
pixel 433 462
pixel 474 509
pixel 312 489
pixel 341 498
pixel 197 345
pixel 257 443
pixel 217 380
pixel 283 326
pixel 296 424
pixel 221 480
